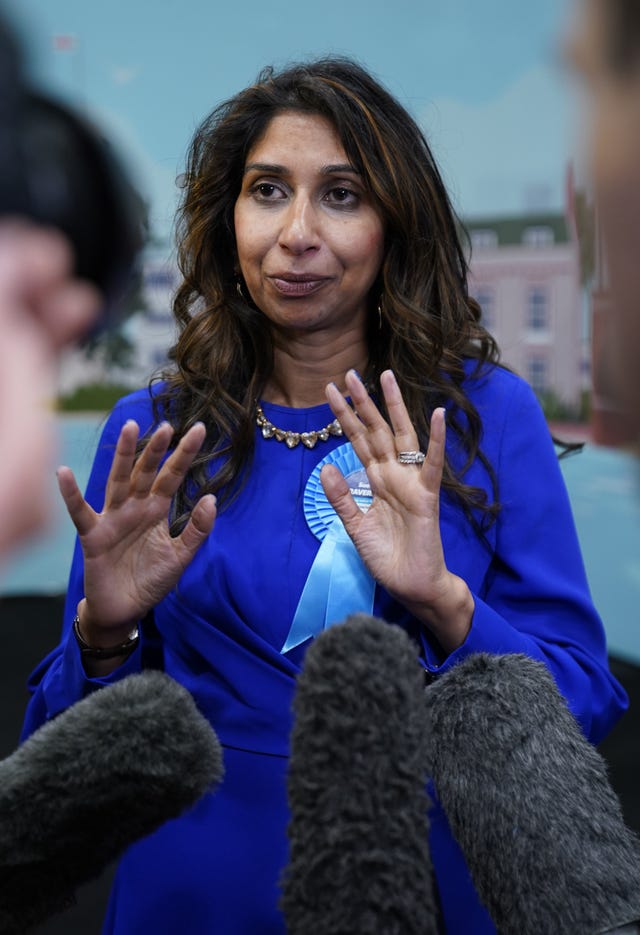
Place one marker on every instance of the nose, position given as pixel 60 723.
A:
pixel 299 231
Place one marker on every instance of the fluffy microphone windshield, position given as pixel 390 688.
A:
pixel 529 801
pixel 359 856
pixel 107 771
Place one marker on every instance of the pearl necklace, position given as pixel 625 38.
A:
pixel 292 439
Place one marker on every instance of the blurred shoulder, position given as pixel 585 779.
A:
pixel 139 405
pixel 489 385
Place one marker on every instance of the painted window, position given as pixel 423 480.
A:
pixel 537 309
pixel 538 236
pixel 485 298
pixel 484 238
pixel 537 374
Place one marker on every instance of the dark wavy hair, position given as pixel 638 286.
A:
pixel 429 324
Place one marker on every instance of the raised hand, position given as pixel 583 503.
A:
pixel 130 559
pixel 398 537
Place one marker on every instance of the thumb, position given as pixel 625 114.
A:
pixel 340 497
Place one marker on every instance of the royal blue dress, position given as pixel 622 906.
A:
pixel 222 630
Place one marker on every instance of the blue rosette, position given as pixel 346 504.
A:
pixel 338 583
pixel 318 512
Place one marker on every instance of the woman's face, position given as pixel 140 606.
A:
pixel 309 238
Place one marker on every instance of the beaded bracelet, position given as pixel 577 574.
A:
pixel 106 652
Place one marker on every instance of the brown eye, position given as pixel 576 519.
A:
pixel 267 191
pixel 342 196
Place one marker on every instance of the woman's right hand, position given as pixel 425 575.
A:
pixel 131 561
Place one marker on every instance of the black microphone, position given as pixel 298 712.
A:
pixel 107 771
pixel 359 854
pixel 529 801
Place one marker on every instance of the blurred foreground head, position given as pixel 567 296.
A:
pixel 71 227
pixel 605 48
pixel 58 170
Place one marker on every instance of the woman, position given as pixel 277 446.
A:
pixel 321 260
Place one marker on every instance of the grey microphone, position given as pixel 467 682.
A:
pixel 359 854
pixel 107 771
pixel 529 801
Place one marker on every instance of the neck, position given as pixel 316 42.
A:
pixel 302 368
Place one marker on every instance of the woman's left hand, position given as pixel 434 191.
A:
pixel 398 537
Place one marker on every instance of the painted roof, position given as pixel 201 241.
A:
pixel 511 231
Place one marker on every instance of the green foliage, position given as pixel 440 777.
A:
pixel 585 406
pixel 586 230
pixel 557 410
pixel 94 397
pixel 112 346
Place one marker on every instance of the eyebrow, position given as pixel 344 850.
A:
pixel 274 169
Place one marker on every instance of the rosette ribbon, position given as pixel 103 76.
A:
pixel 338 583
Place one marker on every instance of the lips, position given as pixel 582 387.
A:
pixel 292 284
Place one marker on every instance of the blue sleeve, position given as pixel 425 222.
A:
pixel 534 597
pixel 60 680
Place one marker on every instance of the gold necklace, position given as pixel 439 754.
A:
pixel 291 439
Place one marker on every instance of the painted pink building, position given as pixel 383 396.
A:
pixel 525 273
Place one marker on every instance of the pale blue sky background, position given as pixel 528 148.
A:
pixel 484 79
